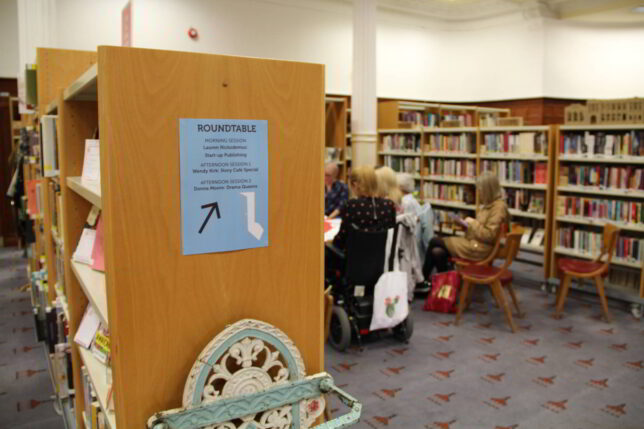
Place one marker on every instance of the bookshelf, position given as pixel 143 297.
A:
pixel 598 179
pixel 337 137
pixel 178 303
pixel 523 157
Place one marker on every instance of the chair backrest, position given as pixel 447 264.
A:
pixel 365 256
pixel 495 252
pixel 512 244
pixel 609 242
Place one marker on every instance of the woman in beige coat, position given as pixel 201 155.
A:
pixel 481 233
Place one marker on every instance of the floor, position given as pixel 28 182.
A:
pixel 25 383
pixel 577 373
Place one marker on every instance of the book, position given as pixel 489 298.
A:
pixel 85 247
pixel 49 145
pixel 98 257
pixel 537 238
pixel 87 328
pixel 101 345
pixel 527 233
pixel 91 176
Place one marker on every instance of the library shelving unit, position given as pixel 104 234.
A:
pixel 162 307
pixel 335 136
pixel 599 179
pixel 438 144
pixel 523 158
pixel 56 69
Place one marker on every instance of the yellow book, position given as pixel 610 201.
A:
pixel 96 408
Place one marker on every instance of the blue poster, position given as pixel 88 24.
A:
pixel 224 184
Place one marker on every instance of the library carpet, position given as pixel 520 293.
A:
pixel 577 372
pixel 25 384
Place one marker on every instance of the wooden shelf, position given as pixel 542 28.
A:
pixel 450 130
pixel 92 195
pixel 515 156
pixel 52 108
pixel 601 222
pixel 400 153
pixel 602 127
pixel 93 284
pixel 84 88
pixel 616 261
pixel 453 204
pixel 597 158
pixel 535 186
pixel 629 193
pixel 97 374
pixel 400 131
pixel 450 179
pixel 445 154
pixel 520 213
pixel 522 128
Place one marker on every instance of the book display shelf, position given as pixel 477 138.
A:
pixel 600 178
pixel 159 306
pixel 337 141
pixel 438 145
pixel 522 157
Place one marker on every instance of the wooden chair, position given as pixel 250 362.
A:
pixel 495 277
pixel 462 262
pixel 597 270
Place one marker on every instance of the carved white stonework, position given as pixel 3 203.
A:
pixel 248 366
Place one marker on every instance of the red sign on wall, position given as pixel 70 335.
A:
pixel 126 25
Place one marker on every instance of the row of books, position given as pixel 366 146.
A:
pixel 464 143
pixel 453 167
pixel 458 193
pixel 629 279
pixel 526 200
pixel 61 363
pixel 597 208
pixel 613 143
pixel 602 176
pixel 590 243
pixel 402 164
pixel 465 119
pixel 405 142
pixel 94 415
pixel 419 118
pixel 515 143
pixel 533 235
pixel 518 171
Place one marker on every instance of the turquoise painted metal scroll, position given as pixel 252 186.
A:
pixel 234 408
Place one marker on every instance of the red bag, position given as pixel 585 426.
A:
pixel 444 293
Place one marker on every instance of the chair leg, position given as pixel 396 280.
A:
pixel 465 290
pixel 515 301
pixel 561 295
pixel 327 409
pixel 599 281
pixel 497 291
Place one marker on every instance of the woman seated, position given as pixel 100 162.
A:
pixel 481 233
pixel 388 186
pixel 366 211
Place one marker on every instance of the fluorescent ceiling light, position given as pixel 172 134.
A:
pixel 638 9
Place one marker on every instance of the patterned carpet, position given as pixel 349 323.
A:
pixel 25 383
pixel 578 372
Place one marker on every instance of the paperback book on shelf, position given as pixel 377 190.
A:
pixel 49 149
pixel 85 247
pixel 537 238
pixel 87 328
pixel 92 164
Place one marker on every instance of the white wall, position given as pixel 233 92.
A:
pixel 516 56
pixel 594 61
pixel 438 62
pixel 8 38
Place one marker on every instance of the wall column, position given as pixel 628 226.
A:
pixel 363 92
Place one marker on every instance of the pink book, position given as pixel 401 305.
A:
pixel 97 252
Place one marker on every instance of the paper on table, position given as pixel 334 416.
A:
pixel 331 228
pixel 98 256
pixel 85 247
pixel 92 164
pixel 88 327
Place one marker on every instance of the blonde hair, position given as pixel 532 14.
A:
pixel 363 181
pixel 388 184
pixel 489 187
pixel 406 183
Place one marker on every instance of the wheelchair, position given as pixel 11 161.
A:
pixel 353 294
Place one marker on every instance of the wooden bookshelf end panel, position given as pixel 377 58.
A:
pixel 164 307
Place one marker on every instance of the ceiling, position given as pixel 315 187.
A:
pixel 608 11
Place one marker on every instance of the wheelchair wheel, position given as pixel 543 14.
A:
pixel 340 329
pixel 403 331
